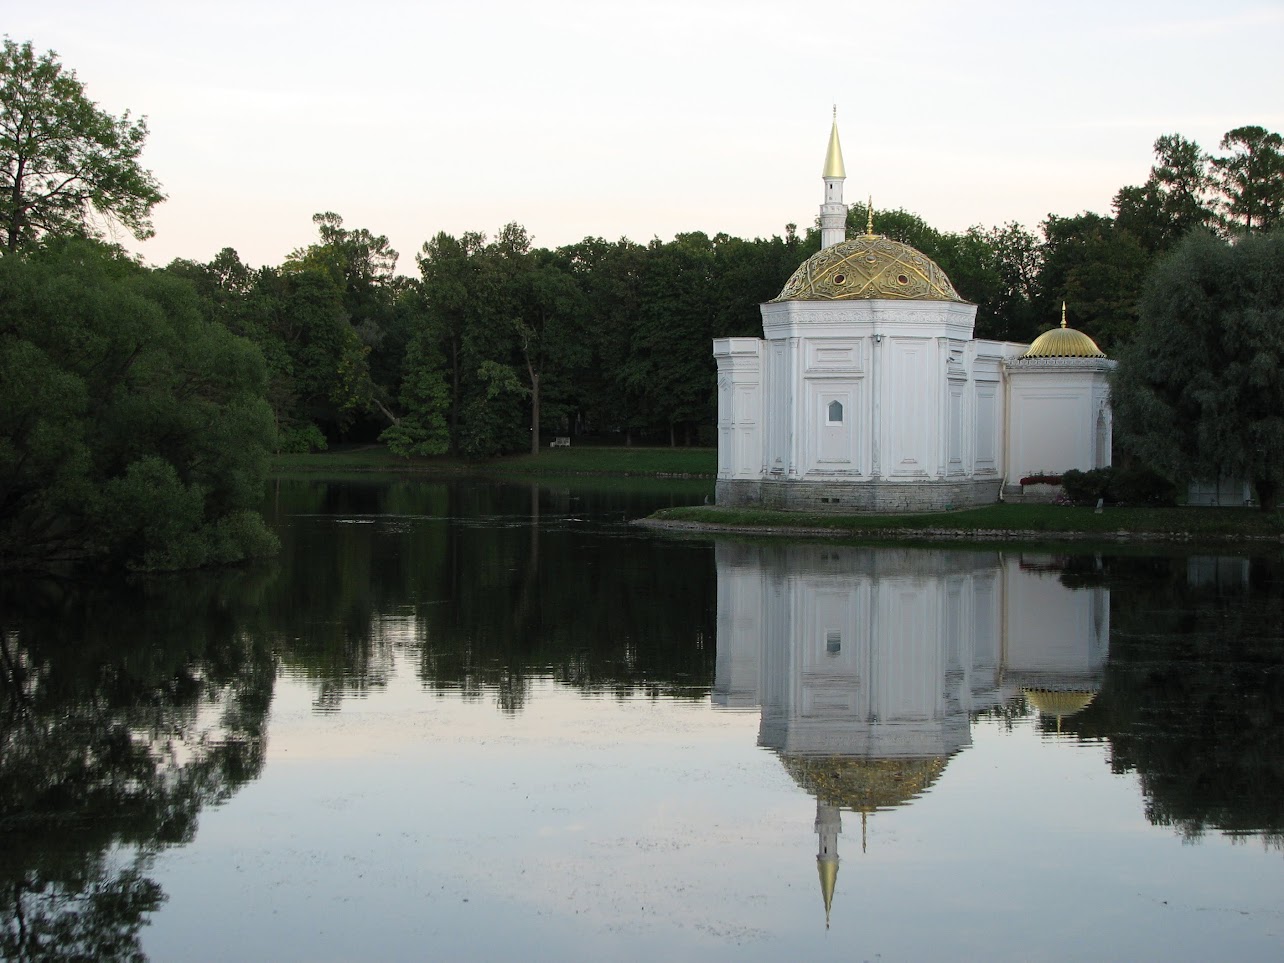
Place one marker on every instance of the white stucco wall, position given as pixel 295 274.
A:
pixel 1059 416
pixel 897 393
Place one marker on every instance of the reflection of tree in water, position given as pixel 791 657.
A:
pixel 123 711
pixel 487 588
pixel 1193 696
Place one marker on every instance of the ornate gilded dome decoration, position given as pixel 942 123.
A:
pixel 1063 342
pixel 868 268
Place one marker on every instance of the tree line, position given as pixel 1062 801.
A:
pixel 126 387
pixel 494 343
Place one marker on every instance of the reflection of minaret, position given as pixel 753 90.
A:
pixel 829 823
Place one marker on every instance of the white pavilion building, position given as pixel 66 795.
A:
pixel 868 392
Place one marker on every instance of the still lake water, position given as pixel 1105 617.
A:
pixel 475 720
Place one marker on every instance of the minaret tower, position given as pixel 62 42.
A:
pixel 833 212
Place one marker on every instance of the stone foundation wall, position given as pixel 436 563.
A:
pixel 1031 494
pixel 853 497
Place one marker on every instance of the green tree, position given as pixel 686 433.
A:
pixel 362 266
pixel 1096 269
pixel 549 322
pixel 246 302
pixel 1011 311
pixel 1252 177
pixel 133 433
pixel 1176 198
pixel 424 428
pixel 1199 392
pixel 609 275
pixel 455 292
pixel 63 160
pixel 670 368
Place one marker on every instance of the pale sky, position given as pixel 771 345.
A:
pixel 647 119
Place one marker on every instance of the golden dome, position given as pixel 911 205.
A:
pixel 863 785
pixel 1063 342
pixel 868 268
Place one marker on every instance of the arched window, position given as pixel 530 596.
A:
pixel 835 416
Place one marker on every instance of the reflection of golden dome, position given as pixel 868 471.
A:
pixel 863 785
pixel 867 268
pixel 1050 702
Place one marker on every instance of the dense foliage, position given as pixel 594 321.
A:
pixel 132 432
pixel 1118 486
pixel 1199 392
pixel 497 344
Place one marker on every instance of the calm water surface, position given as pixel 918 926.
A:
pixel 476 720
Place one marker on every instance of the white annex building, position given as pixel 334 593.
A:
pixel 869 393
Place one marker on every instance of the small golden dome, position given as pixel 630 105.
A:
pixel 868 268
pixel 1063 342
pixel 1051 702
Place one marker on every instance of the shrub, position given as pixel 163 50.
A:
pixel 1142 486
pixel 300 441
pixel 1118 486
pixel 1086 487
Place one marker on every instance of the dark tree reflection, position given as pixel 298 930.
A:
pixel 123 711
pixel 486 587
pixel 1193 695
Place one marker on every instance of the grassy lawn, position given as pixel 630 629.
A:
pixel 1220 523
pixel 664 464
pixel 584 460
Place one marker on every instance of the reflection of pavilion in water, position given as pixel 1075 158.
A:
pixel 869 663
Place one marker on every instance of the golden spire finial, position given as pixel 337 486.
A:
pixel 869 217
pixel 834 155
pixel 828 869
pixel 1063 314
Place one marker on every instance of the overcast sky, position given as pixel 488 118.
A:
pixel 647 119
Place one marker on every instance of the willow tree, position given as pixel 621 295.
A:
pixel 1199 391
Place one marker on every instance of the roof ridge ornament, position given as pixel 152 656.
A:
pixel 1063 314
pixel 869 217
